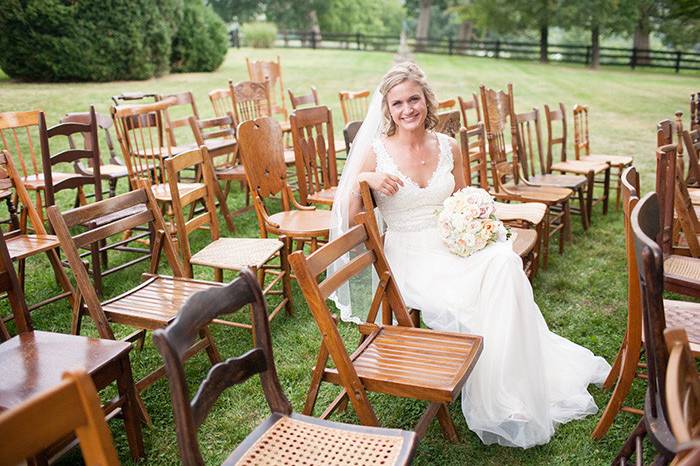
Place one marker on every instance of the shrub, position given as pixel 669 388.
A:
pixel 201 41
pixel 55 40
pixel 259 35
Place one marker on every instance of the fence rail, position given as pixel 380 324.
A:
pixel 561 53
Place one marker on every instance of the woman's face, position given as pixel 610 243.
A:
pixel 407 105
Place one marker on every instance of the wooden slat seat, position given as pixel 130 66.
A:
pixel 114 216
pixel 36 182
pixel 395 360
pixel 234 173
pixel 686 315
pixel 154 303
pixel 301 222
pixel 532 212
pixel 107 170
pixel 324 196
pixel 162 191
pixel 162 152
pixel 23 246
pixel 315 441
pixel 559 181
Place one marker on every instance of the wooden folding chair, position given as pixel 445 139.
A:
pixel 315 441
pixel 70 406
pixel 314 152
pixel 398 360
pixel 627 366
pixel 353 104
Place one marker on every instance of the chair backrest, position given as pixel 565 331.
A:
pixel 133 209
pixel 250 100
pixel 349 133
pixel 19 132
pixel 682 391
pixel 90 154
pixel 496 106
pixel 314 150
pixel 664 133
pixel 223 127
pixel 552 117
pixel 307 99
pixel 449 123
pixel 354 105
pixel 134 97
pixel 695 111
pixel 70 406
pixel 530 143
pixel 196 158
pixel 270 72
pixel 582 145
pixel 465 105
pixel 691 140
pixel 9 283
pixel 473 146
pixel 174 341
pixel 221 101
pixel 141 135
pixel 104 124
pixel 446 105
pixel 172 120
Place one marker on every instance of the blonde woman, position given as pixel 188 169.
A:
pixel 527 379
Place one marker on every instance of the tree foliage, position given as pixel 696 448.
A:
pixel 201 41
pixel 240 10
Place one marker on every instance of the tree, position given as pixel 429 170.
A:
pixel 679 23
pixel 240 10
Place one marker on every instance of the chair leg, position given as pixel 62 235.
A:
pixel 583 209
pixel 60 275
pixel 316 376
pixel 618 186
pixel 130 409
pixel 567 222
pixel 606 191
pixel 76 316
pixel 224 208
pixel 286 278
pixel 632 445
pixel 590 176
pixel 96 267
pixel 112 187
pixel 545 238
pixel 21 272
pixel 446 424
pixel 427 417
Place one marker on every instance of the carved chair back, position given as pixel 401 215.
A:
pixel 172 120
pixel 307 99
pixel 353 104
pixel 449 123
pixel 553 116
pixel 90 154
pixel 250 99
pixel 44 419
pixel 496 106
pixel 270 72
pixel 314 150
pixel 466 105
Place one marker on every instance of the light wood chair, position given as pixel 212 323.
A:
pixel 353 104
pixel 531 155
pixel 270 72
pixel 449 123
pixel 506 174
pixel 682 393
pixel 465 105
pixel 398 360
pixel 626 367
pixel 221 101
pixel 173 115
pixel 446 105
pixel 310 99
pixel 312 441
pixel 262 150
pixel 152 304
pixel 70 406
pixel 33 362
pixel 582 149
pixel 21 242
pixel 691 141
pixel 314 151
pixel 694 111
pixel 598 170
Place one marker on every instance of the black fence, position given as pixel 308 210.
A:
pixel 558 53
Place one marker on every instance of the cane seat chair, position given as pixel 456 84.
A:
pixel 48 420
pixel 449 123
pixel 270 72
pixel 282 438
pixel 19 132
pixel 627 366
pixel 691 140
pixel 353 105
pixel 508 185
pixel 152 304
pixel 582 149
pixel 466 105
pixel 399 360
pixel 598 171
pixel 33 361
pixel 23 244
pixel 314 151
pixel 112 171
pixel 261 149
pixel 531 155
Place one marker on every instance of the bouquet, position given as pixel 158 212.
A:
pixel 467 222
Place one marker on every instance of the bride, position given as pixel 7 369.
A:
pixel 527 379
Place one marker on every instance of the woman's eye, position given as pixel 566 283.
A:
pixel 414 98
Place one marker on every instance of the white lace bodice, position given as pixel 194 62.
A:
pixel 414 208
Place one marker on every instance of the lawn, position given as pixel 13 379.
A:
pixel 582 295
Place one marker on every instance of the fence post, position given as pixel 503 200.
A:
pixel 313 39
pixel 588 55
pixel 633 60
pixel 498 49
pixel 678 61
pixel 450 44
pixel 357 40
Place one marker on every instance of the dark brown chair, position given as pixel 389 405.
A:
pixel 284 437
pixel 349 133
pixel 43 419
pixel 397 360
pixel 33 361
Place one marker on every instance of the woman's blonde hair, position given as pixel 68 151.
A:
pixel 399 74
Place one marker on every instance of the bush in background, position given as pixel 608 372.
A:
pixel 201 41
pixel 259 35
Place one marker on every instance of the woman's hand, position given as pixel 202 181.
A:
pixel 382 182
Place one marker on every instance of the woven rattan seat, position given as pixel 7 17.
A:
pixel 532 212
pixel 579 167
pixel 237 253
pixel 562 181
pixel 694 195
pixel 686 315
pixel 614 160
pixel 299 439
pixel 525 241
pixel 682 266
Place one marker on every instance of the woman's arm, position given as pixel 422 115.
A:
pixel 383 182
pixel 458 168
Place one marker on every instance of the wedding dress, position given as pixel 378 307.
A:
pixel 527 379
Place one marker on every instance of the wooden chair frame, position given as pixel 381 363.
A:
pixel 449 123
pixel 310 99
pixel 353 105
pixel 470 104
pixel 271 72
pixel 176 100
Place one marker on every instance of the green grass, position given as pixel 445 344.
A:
pixel 582 294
